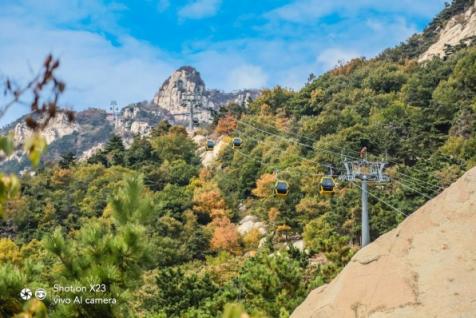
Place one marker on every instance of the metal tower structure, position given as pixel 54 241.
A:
pixel 365 171
pixel 114 110
pixel 191 101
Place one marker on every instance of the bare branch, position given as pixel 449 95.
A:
pixel 45 80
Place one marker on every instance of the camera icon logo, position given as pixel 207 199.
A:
pixel 40 293
pixel 25 294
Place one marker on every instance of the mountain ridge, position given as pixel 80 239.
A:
pixel 94 126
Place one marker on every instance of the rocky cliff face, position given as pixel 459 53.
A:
pixel 424 268
pixel 87 134
pixel 93 127
pixel 186 86
pixel 459 30
pixel 57 128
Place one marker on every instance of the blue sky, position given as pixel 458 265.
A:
pixel 124 50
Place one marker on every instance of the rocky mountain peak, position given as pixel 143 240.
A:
pixel 182 85
pixel 93 127
pixel 186 79
pixel 186 84
pixel 460 30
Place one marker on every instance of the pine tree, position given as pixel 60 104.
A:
pixel 110 254
pixel 11 282
pixel 67 160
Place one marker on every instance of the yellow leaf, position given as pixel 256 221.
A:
pixel 9 188
pixel 11 185
pixel 34 147
pixel 6 144
pixel 234 310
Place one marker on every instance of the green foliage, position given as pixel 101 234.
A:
pixel 129 205
pixel 385 78
pixel 67 160
pixel 11 282
pixel 112 154
pixel 140 153
pixel 173 201
pixel 33 309
pixel 419 43
pixel 179 292
pixel 175 145
pixel 321 237
pixel 102 254
pixel 161 129
pixel 143 220
pixel 270 284
pixel 7 145
pixel 233 310
pixel 420 86
pixel 9 185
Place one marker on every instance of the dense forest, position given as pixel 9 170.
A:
pixel 159 229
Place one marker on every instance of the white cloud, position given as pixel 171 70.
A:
pixel 247 76
pixel 301 11
pixel 199 9
pixel 375 25
pixel 284 51
pixel 86 14
pixel 95 70
pixel 329 58
pixel 387 32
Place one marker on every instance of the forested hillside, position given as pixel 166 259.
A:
pixel 161 231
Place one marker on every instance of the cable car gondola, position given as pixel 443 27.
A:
pixel 236 143
pixel 210 144
pixel 196 122
pixel 327 185
pixel 281 188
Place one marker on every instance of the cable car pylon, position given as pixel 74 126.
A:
pixel 363 170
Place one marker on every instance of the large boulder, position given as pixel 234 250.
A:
pixel 460 29
pixel 249 223
pixel 426 267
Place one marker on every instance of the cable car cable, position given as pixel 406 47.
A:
pixel 310 160
pixel 381 200
pixel 284 138
pixel 300 136
pixel 352 157
pixel 421 181
pixel 371 194
pixel 412 189
pixel 300 156
pixel 419 186
pixel 316 149
pixel 324 175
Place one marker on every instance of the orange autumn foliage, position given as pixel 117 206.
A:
pixel 264 185
pixel 225 235
pixel 204 174
pixel 61 176
pixel 207 201
pixel 282 121
pixel 273 214
pixel 226 125
pixel 265 109
pixel 252 238
pixel 284 228
pixel 218 213
pixel 345 68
